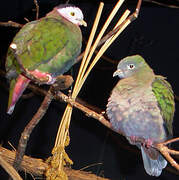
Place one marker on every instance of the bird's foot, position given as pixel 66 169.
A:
pixel 147 143
pixel 43 76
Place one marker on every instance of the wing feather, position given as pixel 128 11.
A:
pixel 165 98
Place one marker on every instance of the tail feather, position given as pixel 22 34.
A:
pixel 17 87
pixel 153 167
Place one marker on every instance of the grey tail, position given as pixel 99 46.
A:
pixel 153 167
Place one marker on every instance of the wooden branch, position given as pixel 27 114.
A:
pixel 38 167
pixel 166 152
pixel 11 24
pixel 62 97
pixel 37 9
pixel 88 112
pixel 162 4
pixel 18 25
pixel 28 129
pixel 27 96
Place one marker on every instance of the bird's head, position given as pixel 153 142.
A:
pixel 72 14
pixel 130 66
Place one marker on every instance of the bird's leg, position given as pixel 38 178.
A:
pixel 147 143
pixel 46 77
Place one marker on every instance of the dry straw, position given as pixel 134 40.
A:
pixel 85 69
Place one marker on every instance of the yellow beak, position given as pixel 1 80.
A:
pixel 83 23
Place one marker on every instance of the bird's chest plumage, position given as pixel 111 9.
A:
pixel 134 111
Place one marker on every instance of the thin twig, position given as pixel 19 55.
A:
pixel 162 4
pixel 28 129
pixel 171 141
pixel 11 24
pixel 9 169
pixel 37 9
pixel 88 112
pixel 27 96
pixel 62 97
pixel 165 151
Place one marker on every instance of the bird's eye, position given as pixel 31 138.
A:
pixel 130 66
pixel 72 13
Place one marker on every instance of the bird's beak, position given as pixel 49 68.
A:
pixel 83 23
pixel 118 72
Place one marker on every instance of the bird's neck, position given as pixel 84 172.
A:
pixel 54 14
pixel 144 76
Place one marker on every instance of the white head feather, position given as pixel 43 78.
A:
pixel 72 14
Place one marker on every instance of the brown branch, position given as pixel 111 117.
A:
pixel 37 9
pixel 38 167
pixel 28 129
pixel 18 25
pixel 166 152
pixel 28 96
pixel 11 24
pixel 162 4
pixel 88 112
pixel 62 97
pixel 170 141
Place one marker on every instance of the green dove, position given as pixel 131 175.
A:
pixel 47 47
pixel 141 106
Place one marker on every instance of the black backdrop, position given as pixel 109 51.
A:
pixel 154 35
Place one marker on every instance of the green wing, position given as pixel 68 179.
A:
pixel 40 42
pixel 164 94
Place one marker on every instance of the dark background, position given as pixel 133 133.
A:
pixel 154 35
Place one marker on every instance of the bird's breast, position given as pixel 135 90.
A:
pixel 136 114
